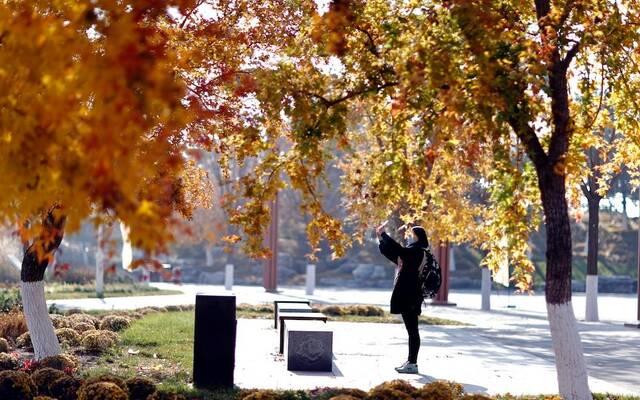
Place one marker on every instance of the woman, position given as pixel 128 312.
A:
pixel 406 298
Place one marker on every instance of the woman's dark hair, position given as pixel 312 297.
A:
pixel 421 234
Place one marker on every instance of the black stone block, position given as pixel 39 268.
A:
pixel 214 341
pixel 309 346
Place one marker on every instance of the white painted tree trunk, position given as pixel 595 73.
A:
pixel 311 279
pixel 570 365
pixel 452 258
pixel 228 277
pixel 208 251
pixel 43 336
pixel 100 265
pixel 486 289
pixel 85 254
pixel 591 313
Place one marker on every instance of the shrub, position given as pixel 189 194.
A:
pixel 260 395
pixel 8 362
pixel 98 341
pixel 83 327
pixel 396 389
pixel 75 319
pixel 102 391
pixel 335 311
pixel 265 307
pixel 478 397
pixel 62 362
pixel 16 385
pixel 60 321
pixel 366 310
pixel 331 393
pixel 107 378
pixel 43 398
pixel 65 388
pixel 24 341
pixel 344 397
pixel 146 310
pixel 165 396
pixel 140 388
pixel 174 308
pixel 44 377
pixel 12 325
pixel 135 315
pixel 115 323
pixel 4 345
pixel 10 299
pixel 68 336
pixel 54 309
pixel 441 390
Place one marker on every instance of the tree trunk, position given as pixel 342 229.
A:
pixel 570 364
pixel 625 217
pixel 100 264
pixel 43 336
pixel 591 312
pixel 36 259
pixel 208 251
pixel 85 255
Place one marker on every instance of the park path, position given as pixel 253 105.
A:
pixel 505 350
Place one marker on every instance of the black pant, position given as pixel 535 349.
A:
pixel 411 323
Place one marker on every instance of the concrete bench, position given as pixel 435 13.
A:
pixel 306 316
pixel 291 308
pixel 293 303
pixel 309 346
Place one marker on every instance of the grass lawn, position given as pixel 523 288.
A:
pixel 266 312
pixel 159 346
pixel 72 291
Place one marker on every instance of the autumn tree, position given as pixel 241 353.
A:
pixel 103 104
pixel 454 96
pixel 596 157
pixel 91 125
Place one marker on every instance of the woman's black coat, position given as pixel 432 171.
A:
pixel 406 296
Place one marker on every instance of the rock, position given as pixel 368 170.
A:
pixel 371 272
pixel 347 268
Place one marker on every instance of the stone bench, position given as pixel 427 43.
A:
pixel 289 306
pixel 309 346
pixel 296 316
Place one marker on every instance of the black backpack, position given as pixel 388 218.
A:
pixel 429 275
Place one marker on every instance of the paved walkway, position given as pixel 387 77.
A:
pixel 365 354
pixel 506 350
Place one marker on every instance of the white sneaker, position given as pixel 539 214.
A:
pixel 408 368
pixel 402 366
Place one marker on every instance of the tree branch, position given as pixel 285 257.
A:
pixel 573 51
pixel 372 45
pixel 530 140
pixel 349 95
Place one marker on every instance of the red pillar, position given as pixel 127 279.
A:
pixel 271 241
pixel 442 256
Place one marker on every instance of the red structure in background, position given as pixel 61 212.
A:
pixel 270 270
pixel 443 258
